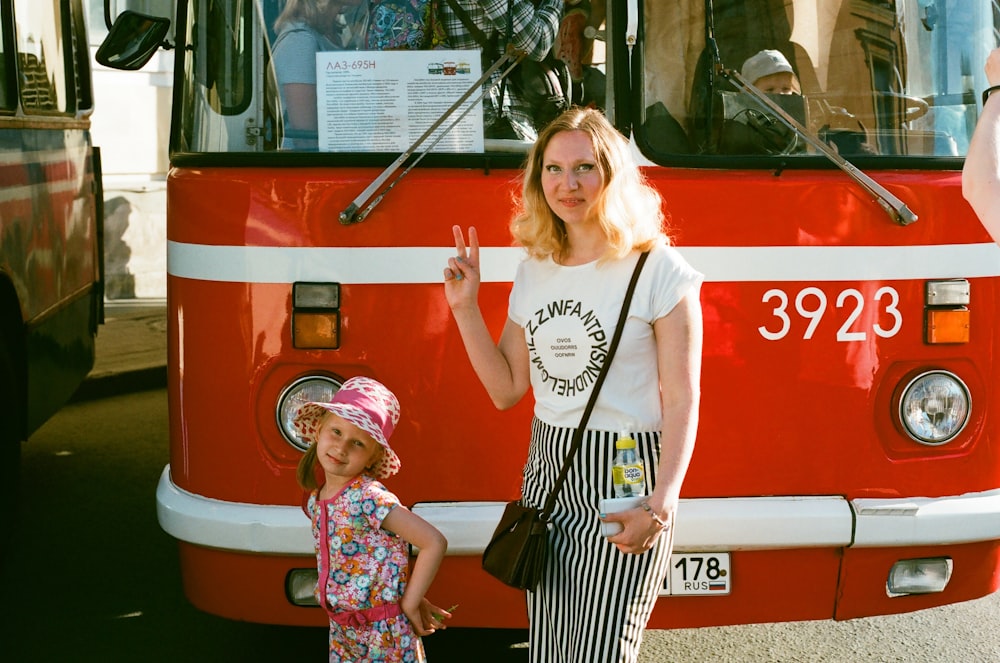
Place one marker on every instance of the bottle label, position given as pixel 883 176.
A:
pixel 627 474
pixel 633 473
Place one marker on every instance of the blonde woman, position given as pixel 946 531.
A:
pixel 586 216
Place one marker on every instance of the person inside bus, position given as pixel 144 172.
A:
pixel 747 127
pixel 304 28
pixel 483 24
pixel 582 21
pixel 584 216
pixel 981 173
pixel 770 72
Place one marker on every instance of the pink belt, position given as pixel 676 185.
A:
pixel 359 619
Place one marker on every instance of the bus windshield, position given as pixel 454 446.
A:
pixel 869 78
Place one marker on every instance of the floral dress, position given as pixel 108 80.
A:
pixel 363 570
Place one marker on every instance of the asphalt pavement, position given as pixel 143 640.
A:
pixel 131 350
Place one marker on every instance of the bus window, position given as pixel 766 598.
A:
pixel 876 78
pixel 283 78
pixel 228 66
pixel 40 56
pixel 220 110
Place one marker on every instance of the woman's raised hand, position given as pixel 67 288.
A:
pixel 461 276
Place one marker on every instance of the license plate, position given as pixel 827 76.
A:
pixel 698 574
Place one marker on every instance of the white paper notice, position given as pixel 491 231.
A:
pixel 382 101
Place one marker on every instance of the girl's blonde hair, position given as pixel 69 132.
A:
pixel 628 209
pixel 305 473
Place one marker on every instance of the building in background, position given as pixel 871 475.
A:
pixel 131 124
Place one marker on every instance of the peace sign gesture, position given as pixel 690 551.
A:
pixel 461 276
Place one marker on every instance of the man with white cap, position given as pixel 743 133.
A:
pixel 770 72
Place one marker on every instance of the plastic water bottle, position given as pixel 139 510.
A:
pixel 628 473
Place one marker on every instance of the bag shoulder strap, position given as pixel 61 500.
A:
pixel 550 501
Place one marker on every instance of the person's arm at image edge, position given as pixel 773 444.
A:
pixel 981 175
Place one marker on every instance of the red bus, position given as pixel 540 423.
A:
pixel 847 458
pixel 51 291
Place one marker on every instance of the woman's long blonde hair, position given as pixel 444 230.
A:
pixel 629 210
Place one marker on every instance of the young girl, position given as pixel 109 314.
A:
pixel 362 531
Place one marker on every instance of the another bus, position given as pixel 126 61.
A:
pixel 51 292
pixel 847 461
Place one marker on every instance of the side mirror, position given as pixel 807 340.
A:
pixel 132 40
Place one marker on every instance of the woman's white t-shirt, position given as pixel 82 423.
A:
pixel 569 315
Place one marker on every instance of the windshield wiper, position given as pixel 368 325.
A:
pixel 354 214
pixel 892 205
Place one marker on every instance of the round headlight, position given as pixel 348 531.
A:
pixel 934 407
pixel 314 388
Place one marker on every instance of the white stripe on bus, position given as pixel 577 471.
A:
pixel 29 192
pixel 414 264
pixel 20 157
pixel 705 524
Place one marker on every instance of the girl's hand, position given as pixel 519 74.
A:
pixel 461 276
pixel 640 530
pixel 425 617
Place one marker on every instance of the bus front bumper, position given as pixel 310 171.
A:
pixel 711 524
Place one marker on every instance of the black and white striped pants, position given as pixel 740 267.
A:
pixel 593 602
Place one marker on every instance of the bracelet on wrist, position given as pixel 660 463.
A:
pixel 652 514
pixel 988 91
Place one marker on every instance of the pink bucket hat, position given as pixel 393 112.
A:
pixel 367 404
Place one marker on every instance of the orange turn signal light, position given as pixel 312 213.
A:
pixel 947 325
pixel 316 330
pixel 316 316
